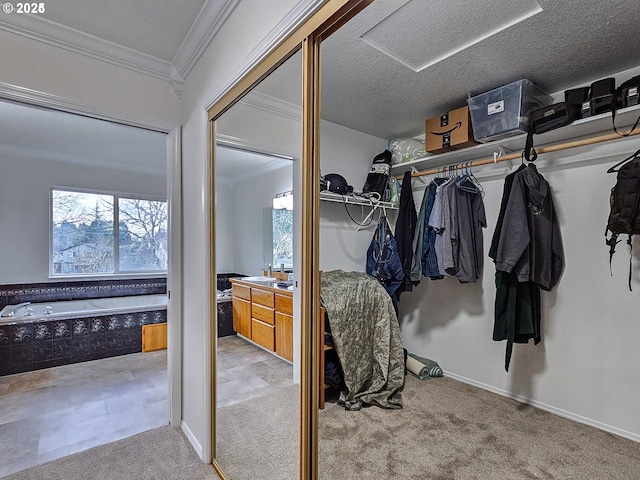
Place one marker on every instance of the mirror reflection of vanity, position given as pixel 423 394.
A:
pixel 257 375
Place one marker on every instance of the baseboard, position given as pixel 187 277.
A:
pixel 543 406
pixel 192 439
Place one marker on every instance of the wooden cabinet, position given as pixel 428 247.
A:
pixel 241 316
pixel 284 335
pixel 154 337
pixel 264 315
pixel 284 326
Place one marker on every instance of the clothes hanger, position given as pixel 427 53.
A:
pixel 619 164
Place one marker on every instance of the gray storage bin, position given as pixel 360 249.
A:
pixel 504 111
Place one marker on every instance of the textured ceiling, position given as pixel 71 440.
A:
pixel 153 27
pixel 569 43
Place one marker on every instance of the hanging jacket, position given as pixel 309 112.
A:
pixel 429 258
pixel 383 261
pixel 517 304
pixel 405 231
pixel 530 244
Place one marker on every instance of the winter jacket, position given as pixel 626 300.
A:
pixel 383 261
pixel 530 244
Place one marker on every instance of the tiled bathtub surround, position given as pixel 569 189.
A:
pixel 47 343
pixel 223 279
pixel 42 344
pixel 79 290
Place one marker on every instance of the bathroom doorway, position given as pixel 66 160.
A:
pixel 73 376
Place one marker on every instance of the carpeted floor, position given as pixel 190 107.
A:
pixel 447 430
pixel 450 430
pixel 160 454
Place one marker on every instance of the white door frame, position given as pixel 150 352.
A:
pixel 174 195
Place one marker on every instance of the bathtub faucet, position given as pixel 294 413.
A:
pixel 12 313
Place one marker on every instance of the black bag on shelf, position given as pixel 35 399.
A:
pixel 549 118
pixel 378 177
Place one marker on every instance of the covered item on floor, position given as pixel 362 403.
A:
pixel 366 337
pixel 423 368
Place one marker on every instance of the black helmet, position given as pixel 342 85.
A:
pixel 337 184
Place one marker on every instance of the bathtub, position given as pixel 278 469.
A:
pixel 34 312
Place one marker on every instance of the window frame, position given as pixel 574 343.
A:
pixel 116 273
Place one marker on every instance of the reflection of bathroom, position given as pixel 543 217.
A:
pixel 254 240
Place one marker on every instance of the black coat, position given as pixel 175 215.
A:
pixel 405 230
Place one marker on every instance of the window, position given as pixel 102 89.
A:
pixel 97 233
pixel 282 222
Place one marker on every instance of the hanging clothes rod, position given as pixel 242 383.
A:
pixel 513 156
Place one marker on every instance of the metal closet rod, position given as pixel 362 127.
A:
pixel 513 156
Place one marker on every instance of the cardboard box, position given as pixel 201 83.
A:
pixel 449 131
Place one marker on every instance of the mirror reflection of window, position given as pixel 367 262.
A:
pixel 282 228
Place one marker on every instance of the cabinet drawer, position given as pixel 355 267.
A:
pixel 241 291
pixel 263 334
pixel 262 313
pixel 284 304
pixel 263 297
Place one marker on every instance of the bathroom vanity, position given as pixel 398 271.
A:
pixel 263 313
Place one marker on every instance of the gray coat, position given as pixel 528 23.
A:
pixel 530 243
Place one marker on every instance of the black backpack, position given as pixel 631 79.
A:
pixel 378 177
pixel 624 217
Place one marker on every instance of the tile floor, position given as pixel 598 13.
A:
pixel 51 413
pixel 246 371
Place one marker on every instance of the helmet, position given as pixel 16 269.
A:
pixel 337 184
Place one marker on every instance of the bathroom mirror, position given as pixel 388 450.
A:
pixel 257 368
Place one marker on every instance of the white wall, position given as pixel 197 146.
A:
pixel 249 23
pixel 586 365
pixel 225 244
pixel 349 153
pixel 24 208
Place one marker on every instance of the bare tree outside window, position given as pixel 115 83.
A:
pixel 85 235
pixel 283 238
pixel 82 233
pixel 143 234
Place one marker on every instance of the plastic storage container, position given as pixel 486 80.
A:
pixel 504 112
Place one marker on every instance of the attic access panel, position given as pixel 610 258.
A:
pixel 417 36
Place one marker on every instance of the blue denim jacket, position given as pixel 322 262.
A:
pixel 383 261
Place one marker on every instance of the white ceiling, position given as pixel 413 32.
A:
pixel 29 132
pixel 153 27
pixel 394 65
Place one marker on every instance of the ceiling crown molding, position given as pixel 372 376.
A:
pixel 55 102
pixel 273 105
pixel 206 25
pixel 296 17
pixel 51 33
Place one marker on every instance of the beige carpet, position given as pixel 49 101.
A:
pixel 259 438
pixel 449 430
pixel 160 454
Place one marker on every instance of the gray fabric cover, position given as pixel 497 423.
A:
pixel 366 337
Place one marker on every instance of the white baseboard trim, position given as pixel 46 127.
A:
pixel 543 406
pixel 192 439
